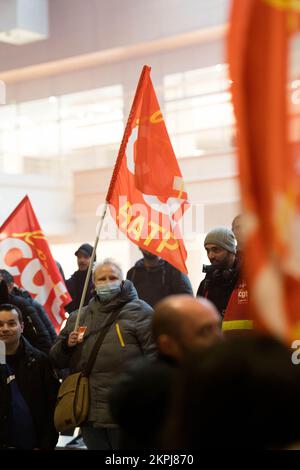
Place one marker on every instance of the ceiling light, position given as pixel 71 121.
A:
pixel 23 21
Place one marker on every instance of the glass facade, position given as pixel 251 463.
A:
pixel 77 131
pixel 198 111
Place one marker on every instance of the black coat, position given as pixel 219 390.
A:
pixel 40 310
pixel 140 400
pixel 217 286
pixel 34 330
pixel 155 283
pixel 4 406
pixel 39 387
pixel 75 287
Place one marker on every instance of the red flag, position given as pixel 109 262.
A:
pixel 262 63
pixel 25 253
pixel 146 192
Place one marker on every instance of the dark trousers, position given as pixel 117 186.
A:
pixel 100 438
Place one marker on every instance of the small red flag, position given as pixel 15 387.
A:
pixel 25 254
pixel 146 193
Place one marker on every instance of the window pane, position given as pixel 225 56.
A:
pixel 199 113
pixel 46 133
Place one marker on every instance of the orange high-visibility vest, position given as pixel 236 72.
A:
pixel 237 315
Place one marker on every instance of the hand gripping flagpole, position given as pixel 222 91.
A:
pixel 87 279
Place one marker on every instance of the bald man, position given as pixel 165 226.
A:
pixel 238 228
pixel 140 400
pixel 181 323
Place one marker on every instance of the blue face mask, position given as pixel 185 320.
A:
pixel 106 292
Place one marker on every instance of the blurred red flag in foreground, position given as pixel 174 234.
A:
pixel 264 65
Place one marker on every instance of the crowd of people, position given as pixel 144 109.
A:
pixel 171 368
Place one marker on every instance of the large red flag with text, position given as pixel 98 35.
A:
pixel 265 70
pixel 146 194
pixel 25 253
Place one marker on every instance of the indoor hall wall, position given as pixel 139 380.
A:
pixel 211 180
pixel 79 27
pixel 51 201
pixel 125 72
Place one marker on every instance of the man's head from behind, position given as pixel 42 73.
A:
pixel 238 228
pixel 84 254
pixel 182 323
pixel 7 278
pixel 11 326
pixel 220 246
pixel 149 256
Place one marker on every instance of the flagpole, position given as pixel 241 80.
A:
pixel 87 279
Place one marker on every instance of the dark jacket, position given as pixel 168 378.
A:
pixel 155 283
pixel 128 338
pixel 140 400
pixel 75 287
pixel 34 330
pixel 4 407
pixel 40 310
pixel 217 286
pixel 39 387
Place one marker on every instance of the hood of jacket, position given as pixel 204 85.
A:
pixel 80 275
pixel 158 267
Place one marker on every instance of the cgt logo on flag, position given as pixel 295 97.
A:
pixel 25 254
pixel 146 193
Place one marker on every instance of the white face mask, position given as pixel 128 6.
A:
pixel 106 292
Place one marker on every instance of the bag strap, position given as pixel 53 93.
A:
pixel 102 334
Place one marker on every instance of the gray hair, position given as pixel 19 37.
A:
pixel 111 262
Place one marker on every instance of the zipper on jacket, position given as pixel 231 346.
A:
pixel 120 335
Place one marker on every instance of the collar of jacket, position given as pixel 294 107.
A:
pixel 25 350
pixel 158 267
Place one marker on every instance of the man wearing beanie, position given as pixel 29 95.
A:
pixel 223 273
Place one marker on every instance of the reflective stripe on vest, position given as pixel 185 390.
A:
pixel 120 335
pixel 237 325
